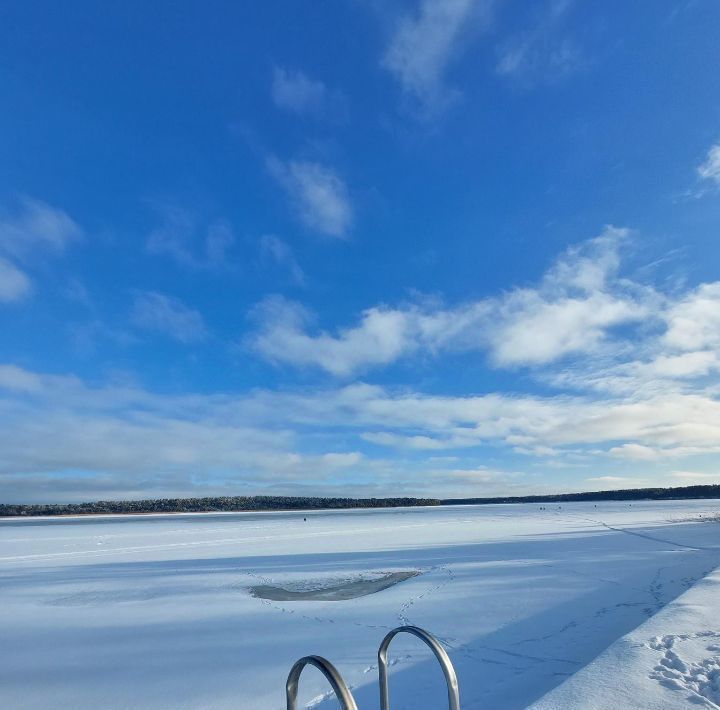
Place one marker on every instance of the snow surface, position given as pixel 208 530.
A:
pixel 670 662
pixel 155 611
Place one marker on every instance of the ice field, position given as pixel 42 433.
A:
pixel 167 611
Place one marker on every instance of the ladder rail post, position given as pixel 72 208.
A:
pixel 332 675
pixel 440 654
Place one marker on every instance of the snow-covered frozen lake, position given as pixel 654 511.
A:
pixel 156 611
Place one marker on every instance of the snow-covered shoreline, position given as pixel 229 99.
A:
pixel 671 661
pixel 155 612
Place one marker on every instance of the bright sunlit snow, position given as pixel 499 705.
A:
pixel 682 647
pixel 157 612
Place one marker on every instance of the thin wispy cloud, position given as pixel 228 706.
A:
pixel 545 51
pixel 32 228
pixel 275 251
pixel 167 316
pixel 17 379
pixel 182 237
pixel 30 232
pixel 318 194
pixel 15 285
pixel 424 45
pixel 294 91
pixel 690 477
pixel 134 440
pixel 681 347
pixel 709 169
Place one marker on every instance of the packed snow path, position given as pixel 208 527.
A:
pixel 155 612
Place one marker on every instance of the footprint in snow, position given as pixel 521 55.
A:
pixel 685 666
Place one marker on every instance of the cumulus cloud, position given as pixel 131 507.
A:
pixel 182 237
pixel 319 196
pixel 681 348
pixel 168 316
pixel 694 321
pixel 424 44
pixel 572 310
pixel 281 337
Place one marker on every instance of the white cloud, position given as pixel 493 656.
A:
pixel 34 227
pixel 342 459
pixel 691 364
pixel 710 168
pixel 674 424
pixel 18 379
pixel 543 52
pixel 29 232
pixel 697 476
pixel 142 441
pixel 281 338
pixel 319 195
pixel 536 331
pixel 14 283
pixel 425 43
pixel 607 479
pixel 422 443
pixel 635 452
pixel 624 482
pixel 294 91
pixel 694 321
pixel 169 316
pixel 571 311
pixel 125 441
pixel 279 252
pixel 191 244
pixel 577 302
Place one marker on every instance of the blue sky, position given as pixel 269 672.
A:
pixel 434 247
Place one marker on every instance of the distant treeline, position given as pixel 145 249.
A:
pixel 679 493
pixel 260 503
pixel 209 505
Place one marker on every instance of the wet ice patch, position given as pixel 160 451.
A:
pixel 330 589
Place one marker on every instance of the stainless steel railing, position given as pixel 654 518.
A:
pixel 342 692
pixel 440 653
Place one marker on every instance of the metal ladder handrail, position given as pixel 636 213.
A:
pixel 440 654
pixel 329 671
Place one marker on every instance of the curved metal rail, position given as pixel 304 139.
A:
pixel 347 702
pixel 440 654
